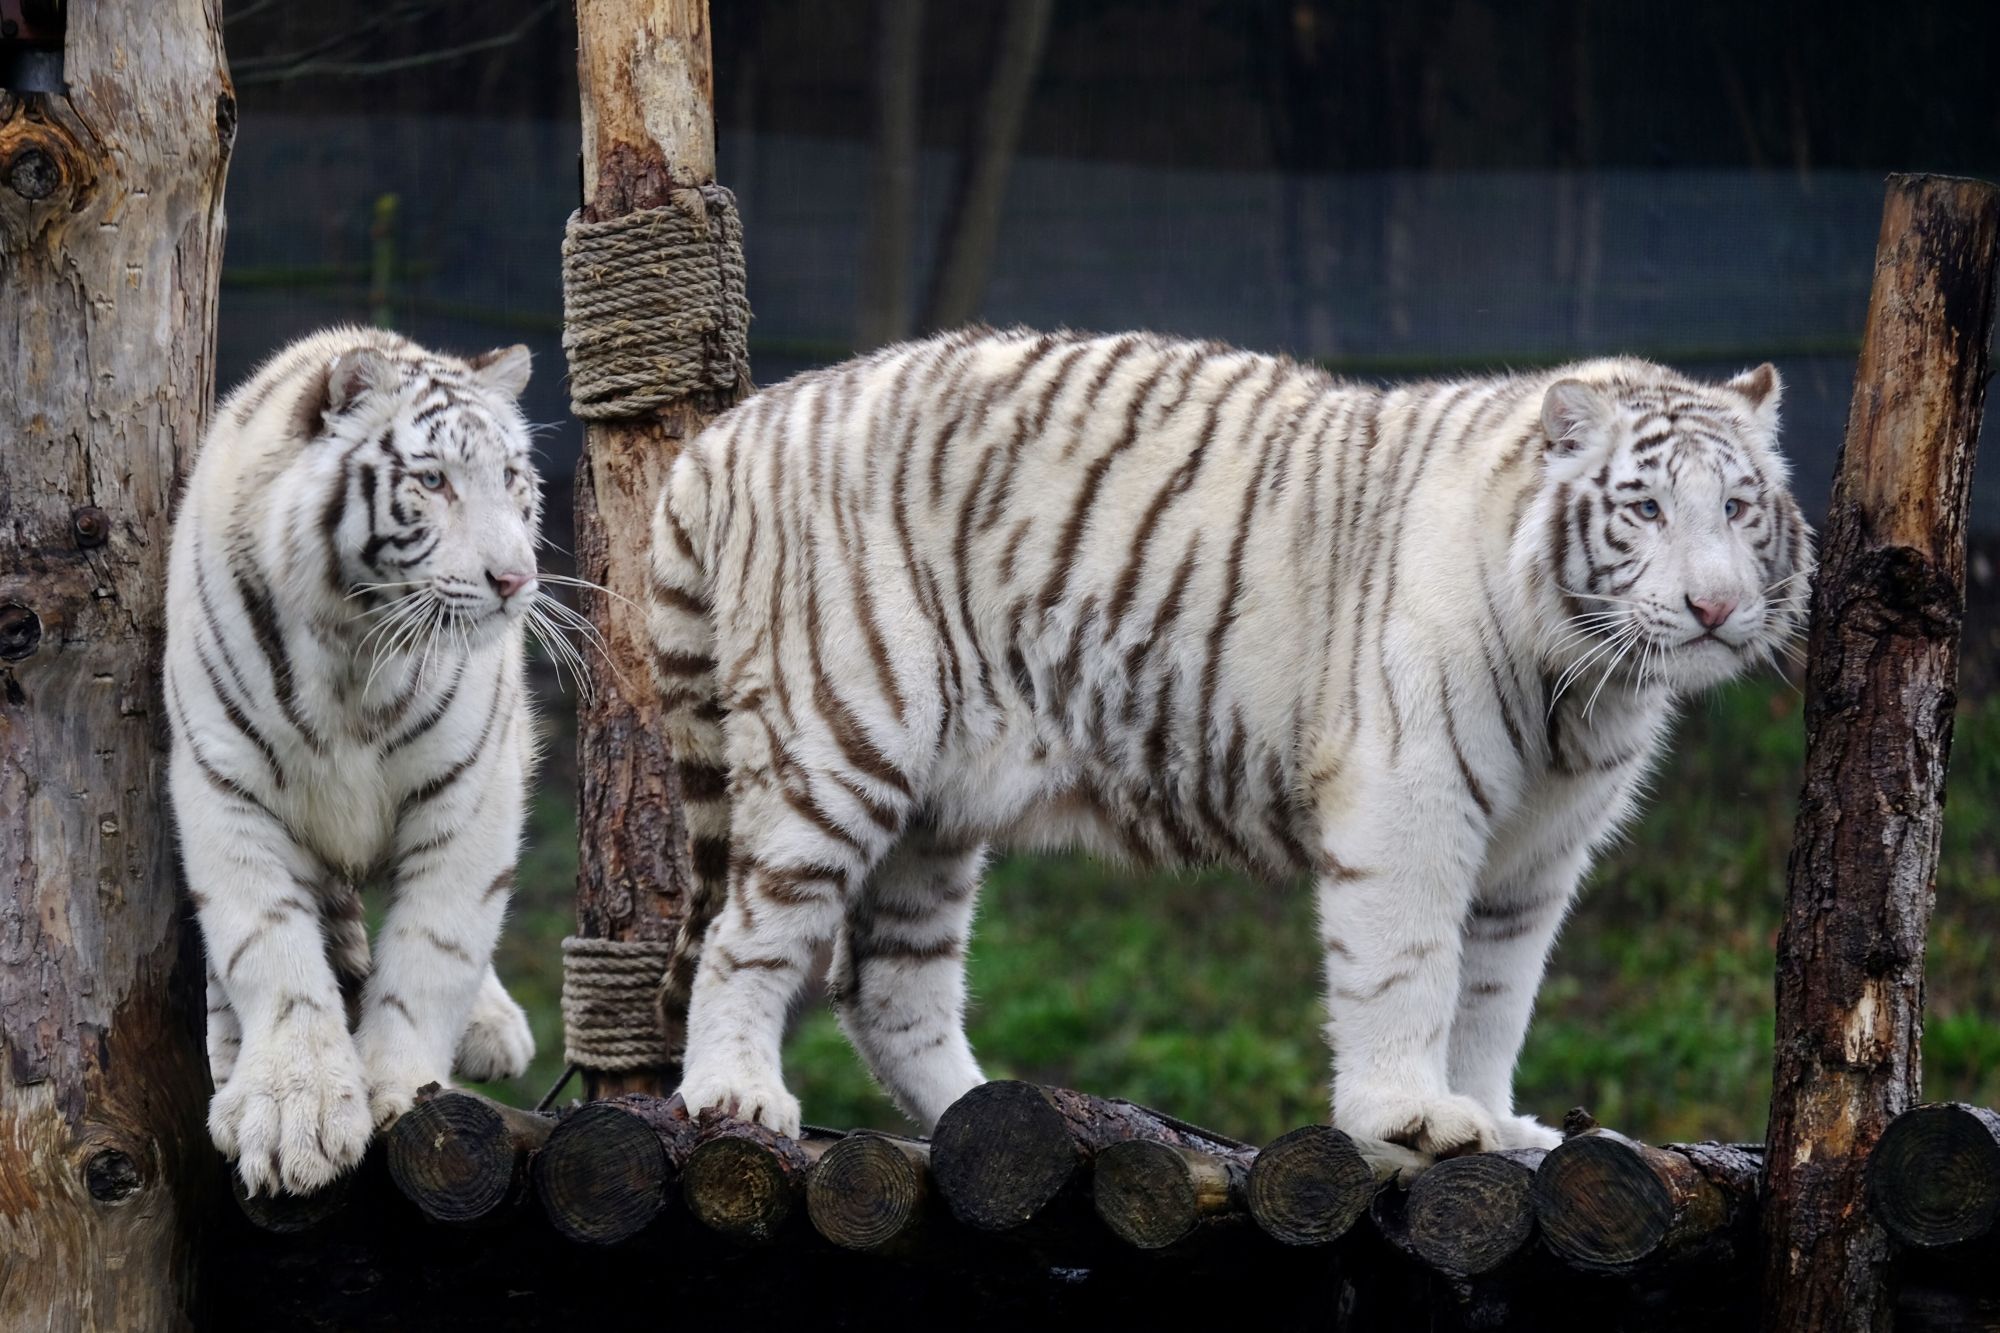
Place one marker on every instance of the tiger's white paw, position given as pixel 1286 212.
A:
pixel 498 1042
pixel 747 1095
pixel 1524 1131
pixel 1441 1126
pixel 294 1113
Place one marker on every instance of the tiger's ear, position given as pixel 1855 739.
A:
pixel 353 375
pixel 1762 389
pixel 1578 421
pixel 504 369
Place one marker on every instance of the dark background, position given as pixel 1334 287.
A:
pixel 1394 189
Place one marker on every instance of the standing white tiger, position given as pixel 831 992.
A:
pixel 351 571
pixel 1178 603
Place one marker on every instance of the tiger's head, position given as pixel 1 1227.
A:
pixel 433 518
pixel 1669 533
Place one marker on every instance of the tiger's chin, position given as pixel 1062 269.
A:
pixel 1705 664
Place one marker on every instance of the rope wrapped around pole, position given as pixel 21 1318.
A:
pixel 609 1020
pixel 655 305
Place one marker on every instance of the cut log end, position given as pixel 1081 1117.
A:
pixel 1309 1186
pixel 1001 1154
pixel 1598 1202
pixel 1470 1215
pixel 1934 1179
pixel 603 1175
pixel 868 1193
pixel 1152 1195
pixel 745 1185
pixel 459 1157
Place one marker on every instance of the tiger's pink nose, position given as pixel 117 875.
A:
pixel 1710 613
pixel 509 583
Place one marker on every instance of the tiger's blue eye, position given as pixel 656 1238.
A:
pixel 431 481
pixel 1731 508
pixel 1649 509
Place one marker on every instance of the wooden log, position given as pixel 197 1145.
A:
pixel 1471 1215
pixel 744 1181
pixel 1608 1204
pixel 1881 684
pixel 111 183
pixel 292 1214
pixel 1007 1152
pixel 1154 1195
pixel 460 1157
pixel 872 1193
pixel 1309 1187
pixel 1934 1179
pixel 645 76
pixel 609 1167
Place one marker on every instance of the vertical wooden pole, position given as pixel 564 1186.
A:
pixel 647 83
pixel 1886 608
pixel 110 255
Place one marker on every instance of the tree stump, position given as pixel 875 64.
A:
pixel 1881 686
pixel 110 255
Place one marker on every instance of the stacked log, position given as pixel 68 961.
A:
pixel 1009 1153
pixel 461 1158
pixel 1934 1179
pixel 872 1193
pixel 745 1182
pixel 1608 1204
pixel 1154 1195
pixel 608 1167
pixel 1470 1216
pixel 1310 1186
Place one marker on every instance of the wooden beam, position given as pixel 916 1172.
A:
pixel 647 85
pixel 1881 685
pixel 110 255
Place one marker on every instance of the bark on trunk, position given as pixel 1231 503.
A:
pixel 647 83
pixel 1882 683
pixel 110 251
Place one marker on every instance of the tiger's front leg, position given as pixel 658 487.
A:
pixel 456 844
pixel 1396 877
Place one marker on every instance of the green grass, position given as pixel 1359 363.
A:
pixel 1198 992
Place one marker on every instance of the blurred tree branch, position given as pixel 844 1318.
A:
pixel 341 54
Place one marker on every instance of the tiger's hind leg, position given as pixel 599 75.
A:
pixel 793 869
pixel 899 974
pixel 225 1032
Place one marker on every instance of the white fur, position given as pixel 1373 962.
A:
pixel 327 732
pixel 1182 603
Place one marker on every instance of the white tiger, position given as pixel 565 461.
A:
pixel 352 568
pixel 1178 603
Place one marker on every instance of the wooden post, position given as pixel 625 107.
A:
pixel 1886 608
pixel 644 71
pixel 110 254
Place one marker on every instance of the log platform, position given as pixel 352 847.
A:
pixel 619 1202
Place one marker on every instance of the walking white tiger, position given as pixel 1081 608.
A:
pixel 1179 603
pixel 352 570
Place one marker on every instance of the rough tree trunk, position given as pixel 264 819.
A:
pixel 647 84
pixel 1886 608
pixel 110 251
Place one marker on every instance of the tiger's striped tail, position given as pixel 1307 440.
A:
pixel 682 629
